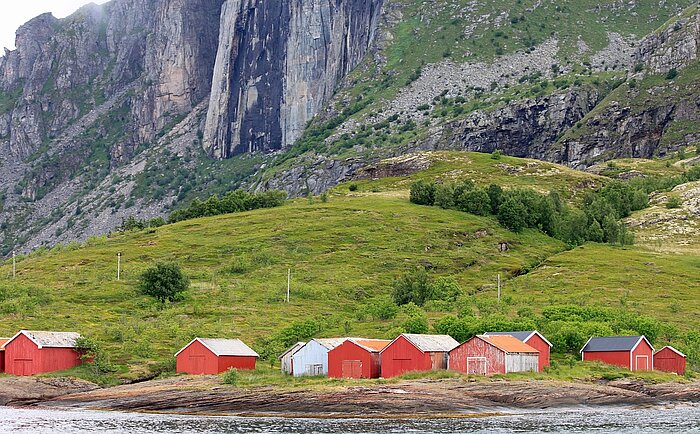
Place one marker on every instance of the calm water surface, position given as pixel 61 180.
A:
pixel 677 419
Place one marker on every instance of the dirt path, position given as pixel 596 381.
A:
pixel 420 398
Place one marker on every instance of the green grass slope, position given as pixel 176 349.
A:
pixel 342 255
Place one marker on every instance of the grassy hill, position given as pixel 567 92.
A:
pixel 345 255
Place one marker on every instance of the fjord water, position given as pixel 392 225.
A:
pixel 677 419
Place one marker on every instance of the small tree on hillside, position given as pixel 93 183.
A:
pixel 164 281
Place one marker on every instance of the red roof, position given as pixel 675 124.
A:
pixel 509 344
pixel 374 345
pixel 3 341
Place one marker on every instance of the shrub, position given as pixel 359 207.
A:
pixel 474 202
pixel 93 355
pixel 671 74
pixel 674 202
pixel 165 282
pixel 497 154
pixel 511 214
pixel 383 309
pixel 422 193
pixel 324 197
pixel 413 287
pixel 231 376
pixel 352 187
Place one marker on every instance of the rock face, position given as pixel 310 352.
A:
pixel 522 129
pixel 277 64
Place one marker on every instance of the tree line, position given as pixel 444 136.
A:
pixel 232 202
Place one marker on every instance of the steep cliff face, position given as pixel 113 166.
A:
pixel 657 111
pixel 277 64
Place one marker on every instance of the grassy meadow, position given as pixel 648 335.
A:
pixel 345 255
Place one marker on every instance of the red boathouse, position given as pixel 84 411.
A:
pixel 488 355
pixel 632 352
pixel 669 359
pixel 3 341
pixel 37 352
pixel 213 356
pixel 534 339
pixel 356 358
pixel 411 352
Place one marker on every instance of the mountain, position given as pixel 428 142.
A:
pixel 137 107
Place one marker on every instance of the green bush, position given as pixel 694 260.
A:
pixel 422 193
pixel 165 282
pixel 413 287
pixel 674 202
pixel 231 376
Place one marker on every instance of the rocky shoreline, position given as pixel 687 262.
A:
pixel 414 398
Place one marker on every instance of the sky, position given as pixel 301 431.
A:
pixel 18 12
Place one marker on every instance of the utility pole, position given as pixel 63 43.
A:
pixel 499 287
pixel 289 281
pixel 119 265
pixel 14 265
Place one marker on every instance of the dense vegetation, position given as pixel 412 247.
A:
pixel 235 201
pixel 598 220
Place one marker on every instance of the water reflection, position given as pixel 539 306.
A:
pixel 658 420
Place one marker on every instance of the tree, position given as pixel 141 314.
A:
pixel 495 193
pixel 595 232
pixel 444 196
pixel 422 193
pixel 474 202
pixel 511 214
pixel 165 282
pixel 414 287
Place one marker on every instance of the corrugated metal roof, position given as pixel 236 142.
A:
pixel 292 349
pixel 330 343
pixel 44 339
pixel 432 343
pixel 520 335
pixel 3 341
pixel 224 347
pixel 373 345
pixel 612 343
pixel 509 344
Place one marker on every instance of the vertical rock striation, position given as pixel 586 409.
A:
pixel 277 64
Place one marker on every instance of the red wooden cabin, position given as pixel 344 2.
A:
pixel 669 359
pixel 632 352
pixel 213 356
pixel 488 355
pixel 410 352
pixel 3 341
pixel 356 358
pixel 37 352
pixel 534 339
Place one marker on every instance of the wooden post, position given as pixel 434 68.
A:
pixel 14 265
pixel 289 280
pixel 499 287
pixel 119 265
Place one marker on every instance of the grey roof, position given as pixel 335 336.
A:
pixel 292 349
pixel 613 343
pixel 44 339
pixel 330 343
pixel 432 343
pixel 225 347
pixel 521 336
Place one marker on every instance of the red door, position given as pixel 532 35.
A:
pixel 24 366
pixel 197 363
pixel 352 369
pixel 642 363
